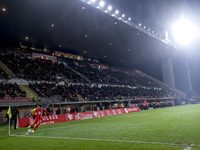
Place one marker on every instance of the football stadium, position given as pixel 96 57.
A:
pixel 99 74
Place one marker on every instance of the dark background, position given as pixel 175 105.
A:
pixel 114 44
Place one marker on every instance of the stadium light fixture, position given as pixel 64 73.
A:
pixel 117 12
pixel 101 3
pixel 109 8
pixel 3 9
pixel 184 32
pixel 89 2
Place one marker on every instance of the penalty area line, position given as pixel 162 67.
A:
pixel 108 140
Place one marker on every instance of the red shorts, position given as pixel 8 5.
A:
pixel 37 119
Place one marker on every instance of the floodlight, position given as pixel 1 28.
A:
pixel 123 15
pixel 140 24
pixel 3 9
pixel 101 3
pixel 184 31
pixel 117 12
pixel 129 19
pixel 109 8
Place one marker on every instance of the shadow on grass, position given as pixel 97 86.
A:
pixel 4 124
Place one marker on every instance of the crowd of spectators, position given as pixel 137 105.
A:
pixel 99 106
pixel 130 78
pixel 85 68
pixel 94 93
pixel 111 93
pixel 39 69
pixel 130 84
pixel 110 75
pixel 47 70
pixel 48 90
pixel 154 105
pixel 3 75
pixel 13 90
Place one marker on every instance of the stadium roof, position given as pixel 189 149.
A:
pixel 79 28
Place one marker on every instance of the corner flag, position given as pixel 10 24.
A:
pixel 9 112
pixel 10 116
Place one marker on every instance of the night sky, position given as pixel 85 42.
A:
pixel 75 27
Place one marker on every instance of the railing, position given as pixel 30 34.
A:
pixel 17 101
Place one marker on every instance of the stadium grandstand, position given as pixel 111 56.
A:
pixel 76 83
pixel 83 59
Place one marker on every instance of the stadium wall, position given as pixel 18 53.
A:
pixel 24 122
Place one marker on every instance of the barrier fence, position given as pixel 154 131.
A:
pixel 24 122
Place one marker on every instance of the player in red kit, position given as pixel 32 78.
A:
pixel 39 114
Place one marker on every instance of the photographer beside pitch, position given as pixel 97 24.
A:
pixel 39 114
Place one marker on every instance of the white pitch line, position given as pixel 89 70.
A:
pixel 108 140
pixel 187 148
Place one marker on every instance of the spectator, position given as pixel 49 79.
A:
pixel 15 114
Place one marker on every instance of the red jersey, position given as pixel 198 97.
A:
pixel 39 112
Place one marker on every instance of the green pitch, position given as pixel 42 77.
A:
pixel 161 129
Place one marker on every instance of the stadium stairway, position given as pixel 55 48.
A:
pixel 30 93
pixel 84 77
pixel 7 70
pixel 80 98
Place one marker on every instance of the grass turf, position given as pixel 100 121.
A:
pixel 177 125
